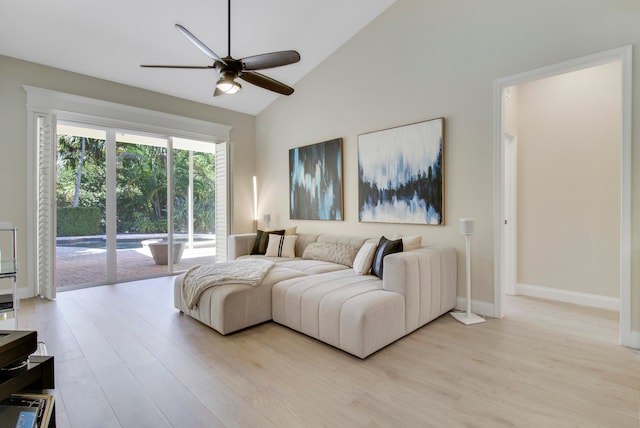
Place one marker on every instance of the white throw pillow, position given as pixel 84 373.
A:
pixel 291 230
pixel 409 242
pixel 281 246
pixel 364 259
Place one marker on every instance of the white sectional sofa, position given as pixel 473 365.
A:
pixel 359 314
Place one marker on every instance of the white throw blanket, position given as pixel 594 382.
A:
pixel 200 278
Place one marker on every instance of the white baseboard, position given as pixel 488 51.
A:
pixel 477 307
pixel 634 340
pixel 25 293
pixel 584 299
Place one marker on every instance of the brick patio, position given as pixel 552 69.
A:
pixel 83 266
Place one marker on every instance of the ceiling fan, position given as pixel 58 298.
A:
pixel 245 68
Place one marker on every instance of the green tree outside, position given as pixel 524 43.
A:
pixel 141 184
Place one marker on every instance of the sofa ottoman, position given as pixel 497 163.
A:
pixel 232 307
pixel 343 309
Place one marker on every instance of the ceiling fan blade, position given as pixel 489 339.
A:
pixel 270 60
pixel 179 66
pixel 266 83
pixel 204 48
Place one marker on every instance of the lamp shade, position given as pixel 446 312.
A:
pixel 227 83
pixel 228 86
pixel 267 218
pixel 466 226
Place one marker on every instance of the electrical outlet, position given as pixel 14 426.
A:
pixel 5 225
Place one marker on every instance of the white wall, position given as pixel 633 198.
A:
pixel 569 134
pixel 421 60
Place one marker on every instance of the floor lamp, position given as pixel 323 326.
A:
pixel 467 318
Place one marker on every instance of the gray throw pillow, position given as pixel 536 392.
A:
pixel 343 254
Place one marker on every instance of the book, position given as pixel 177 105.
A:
pixel 26 411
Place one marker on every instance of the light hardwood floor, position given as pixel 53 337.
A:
pixel 124 357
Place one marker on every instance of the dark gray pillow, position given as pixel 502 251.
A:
pixel 385 246
pixel 262 240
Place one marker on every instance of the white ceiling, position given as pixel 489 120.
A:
pixel 110 39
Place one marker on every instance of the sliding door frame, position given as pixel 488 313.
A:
pixel 67 107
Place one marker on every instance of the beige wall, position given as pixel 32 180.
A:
pixel 13 123
pixel 569 134
pixel 421 60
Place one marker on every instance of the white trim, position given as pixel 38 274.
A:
pixel 24 293
pixel 113 115
pixel 634 339
pixel 577 298
pixel 484 309
pixel 223 210
pixel 623 54
pixel 511 212
pixel 32 215
pixel 498 279
pixel 625 204
pixel 111 206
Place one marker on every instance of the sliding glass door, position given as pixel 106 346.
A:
pixel 131 205
pixel 81 255
pixel 194 206
pixel 141 206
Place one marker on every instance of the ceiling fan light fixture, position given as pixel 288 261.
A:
pixel 228 85
pixel 245 68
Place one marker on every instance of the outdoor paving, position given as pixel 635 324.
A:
pixel 82 266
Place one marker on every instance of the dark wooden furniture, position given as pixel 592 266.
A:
pixel 37 376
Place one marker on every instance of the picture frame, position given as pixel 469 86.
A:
pixel 315 181
pixel 401 174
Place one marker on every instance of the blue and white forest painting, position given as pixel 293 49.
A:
pixel 400 177
pixel 315 181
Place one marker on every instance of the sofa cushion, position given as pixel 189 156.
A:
pixel 341 308
pixel 343 254
pixel 262 239
pixel 311 267
pixel 343 239
pixel 364 259
pixel 409 242
pixel 293 230
pixel 303 240
pixel 385 247
pixel 296 303
pixel 281 246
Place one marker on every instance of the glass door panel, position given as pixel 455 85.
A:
pixel 114 220
pixel 141 206
pixel 194 185
pixel 81 252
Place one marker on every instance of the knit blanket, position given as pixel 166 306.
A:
pixel 202 277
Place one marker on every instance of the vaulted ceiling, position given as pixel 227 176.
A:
pixel 110 39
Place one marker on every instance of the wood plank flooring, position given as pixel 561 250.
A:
pixel 124 357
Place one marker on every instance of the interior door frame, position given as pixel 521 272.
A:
pixel 623 55
pixel 510 264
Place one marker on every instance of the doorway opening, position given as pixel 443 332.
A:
pixel 508 142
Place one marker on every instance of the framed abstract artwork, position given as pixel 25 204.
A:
pixel 315 181
pixel 401 174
